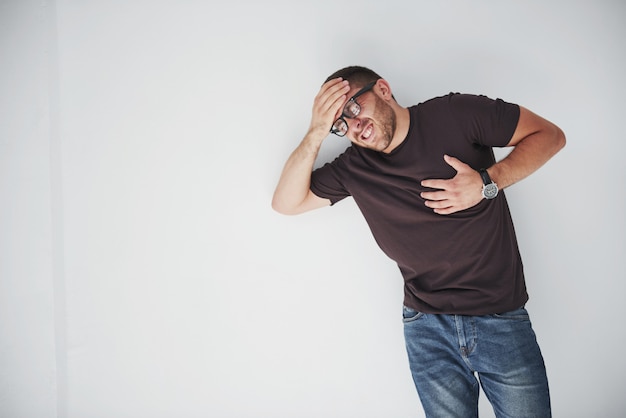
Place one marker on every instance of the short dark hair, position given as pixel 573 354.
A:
pixel 355 75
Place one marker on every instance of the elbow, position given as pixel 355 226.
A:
pixel 553 138
pixel 277 207
pixel 282 208
pixel 560 139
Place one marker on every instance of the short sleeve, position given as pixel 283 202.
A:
pixel 326 182
pixel 488 122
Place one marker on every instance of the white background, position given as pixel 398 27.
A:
pixel 142 271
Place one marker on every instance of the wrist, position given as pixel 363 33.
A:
pixel 490 188
pixel 316 135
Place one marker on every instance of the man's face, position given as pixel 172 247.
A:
pixel 375 125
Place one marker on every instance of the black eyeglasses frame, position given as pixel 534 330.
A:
pixel 344 115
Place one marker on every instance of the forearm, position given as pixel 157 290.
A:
pixel 530 152
pixel 295 180
pixel 293 194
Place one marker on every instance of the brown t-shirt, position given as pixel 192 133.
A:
pixel 464 263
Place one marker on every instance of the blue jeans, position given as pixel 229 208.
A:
pixel 447 352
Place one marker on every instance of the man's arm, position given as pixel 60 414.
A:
pixel 293 194
pixel 535 141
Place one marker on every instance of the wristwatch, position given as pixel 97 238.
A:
pixel 490 189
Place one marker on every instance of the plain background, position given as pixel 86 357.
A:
pixel 142 270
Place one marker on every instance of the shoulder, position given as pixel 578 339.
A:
pixel 449 102
pixel 460 99
pixel 341 161
pixel 470 105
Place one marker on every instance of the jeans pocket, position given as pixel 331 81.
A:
pixel 410 315
pixel 516 315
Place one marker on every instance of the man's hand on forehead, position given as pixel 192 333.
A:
pixel 328 103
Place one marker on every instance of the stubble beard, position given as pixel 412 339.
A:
pixel 387 117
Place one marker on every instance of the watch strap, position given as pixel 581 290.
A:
pixel 485 176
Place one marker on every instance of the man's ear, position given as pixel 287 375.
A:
pixel 384 89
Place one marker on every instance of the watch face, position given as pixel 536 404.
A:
pixel 490 191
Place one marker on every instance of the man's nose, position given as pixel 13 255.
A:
pixel 355 125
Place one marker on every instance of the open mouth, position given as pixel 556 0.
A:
pixel 367 132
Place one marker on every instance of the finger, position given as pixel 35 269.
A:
pixel 327 90
pixel 438 204
pixel 330 107
pixel 434 195
pixel 332 91
pixel 330 84
pixel 441 207
pixel 434 184
pixel 446 211
pixel 328 102
pixel 455 163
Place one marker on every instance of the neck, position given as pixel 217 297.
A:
pixel 403 121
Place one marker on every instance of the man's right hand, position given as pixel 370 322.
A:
pixel 327 105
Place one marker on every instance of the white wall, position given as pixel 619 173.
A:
pixel 142 271
pixel 28 370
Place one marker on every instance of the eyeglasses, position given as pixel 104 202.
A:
pixel 350 110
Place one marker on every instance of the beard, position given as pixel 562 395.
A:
pixel 385 119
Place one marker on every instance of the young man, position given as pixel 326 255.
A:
pixel 426 181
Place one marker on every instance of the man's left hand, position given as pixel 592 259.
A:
pixel 461 192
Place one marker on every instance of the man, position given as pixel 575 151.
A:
pixel 426 181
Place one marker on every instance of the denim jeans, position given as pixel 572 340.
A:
pixel 450 355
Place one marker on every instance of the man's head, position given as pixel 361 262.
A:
pixel 367 118
pixel 359 76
